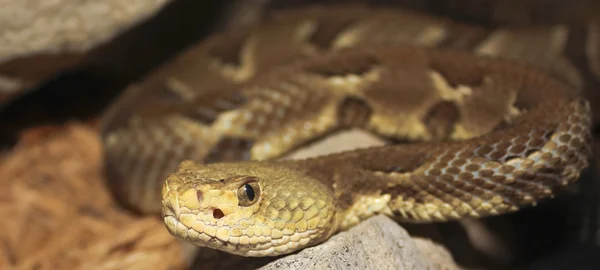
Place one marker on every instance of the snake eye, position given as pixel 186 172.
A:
pixel 248 193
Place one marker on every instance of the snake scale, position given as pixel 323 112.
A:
pixel 492 129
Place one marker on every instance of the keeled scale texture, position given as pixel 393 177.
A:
pixel 177 113
pixel 521 135
pixel 540 143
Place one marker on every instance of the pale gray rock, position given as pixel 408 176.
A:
pixel 376 243
pixel 52 36
pixel 41 26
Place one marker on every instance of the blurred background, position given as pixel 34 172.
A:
pixel 63 62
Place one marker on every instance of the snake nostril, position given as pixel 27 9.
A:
pixel 217 213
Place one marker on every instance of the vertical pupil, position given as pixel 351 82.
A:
pixel 249 192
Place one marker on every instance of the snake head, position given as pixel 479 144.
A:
pixel 247 208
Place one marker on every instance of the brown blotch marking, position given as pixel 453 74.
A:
pixel 354 112
pixel 230 149
pixel 343 66
pixel 456 72
pixel 206 109
pixel 441 120
pixel 228 51
pixel 326 32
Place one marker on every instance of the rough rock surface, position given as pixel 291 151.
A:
pixel 377 243
pixel 42 37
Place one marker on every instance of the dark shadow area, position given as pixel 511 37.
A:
pixel 83 92
pixel 558 234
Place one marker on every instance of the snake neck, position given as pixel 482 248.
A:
pixel 356 194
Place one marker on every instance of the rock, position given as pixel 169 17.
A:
pixel 437 254
pixel 376 243
pixel 39 38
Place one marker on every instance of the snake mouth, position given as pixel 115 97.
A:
pixel 180 230
pixel 201 239
pixel 253 246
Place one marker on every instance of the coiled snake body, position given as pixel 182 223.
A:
pixel 490 136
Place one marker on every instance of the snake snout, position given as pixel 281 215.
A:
pixel 216 212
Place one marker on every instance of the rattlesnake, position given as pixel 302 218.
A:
pixel 493 129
